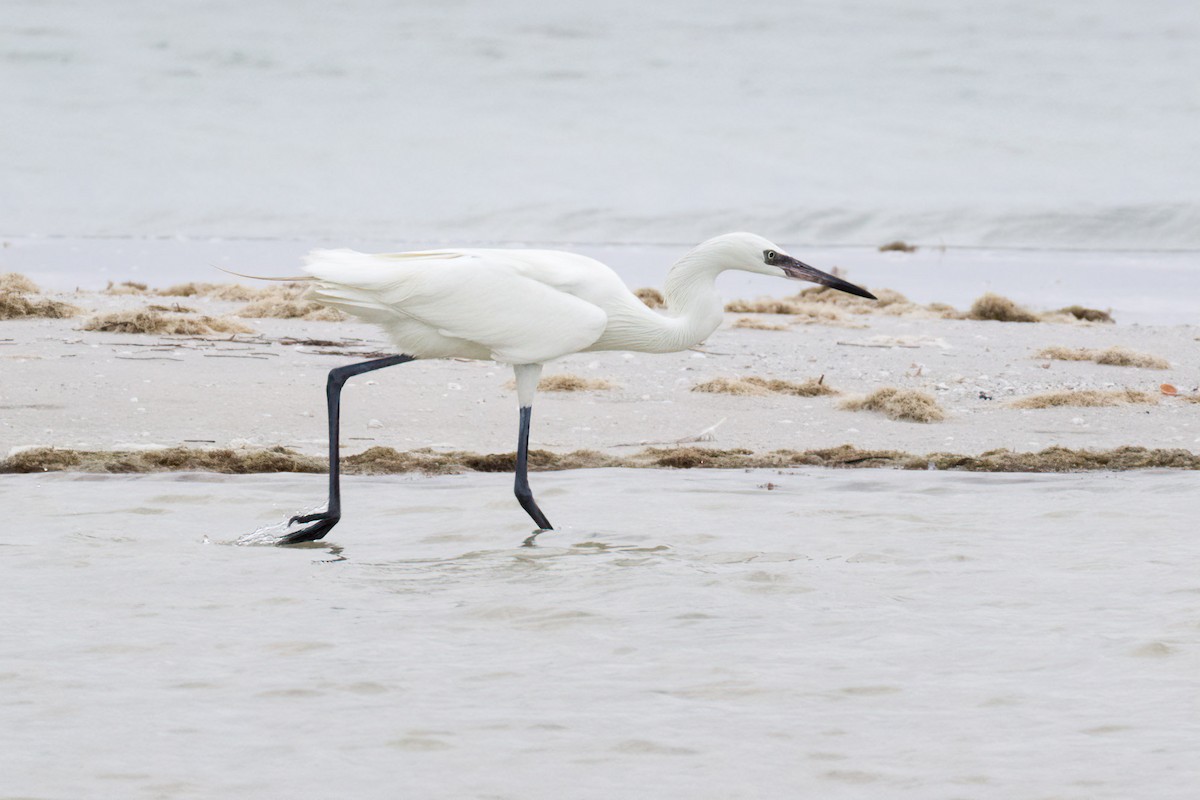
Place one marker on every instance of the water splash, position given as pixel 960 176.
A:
pixel 270 535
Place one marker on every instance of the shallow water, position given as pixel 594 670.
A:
pixel 685 634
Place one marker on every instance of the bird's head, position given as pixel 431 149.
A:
pixel 752 253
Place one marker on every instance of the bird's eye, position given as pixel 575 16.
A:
pixel 770 256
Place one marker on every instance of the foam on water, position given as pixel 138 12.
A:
pixel 702 634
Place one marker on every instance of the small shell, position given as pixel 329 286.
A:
pixel 1168 390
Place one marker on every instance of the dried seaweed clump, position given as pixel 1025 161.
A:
pixel 154 322
pixel 569 383
pixel 573 383
pixel 290 309
pixel 1112 356
pixel 999 309
pixel 753 385
pixel 190 289
pixel 235 292
pixel 1087 314
pixel 751 323
pixel 17 283
pixel 765 306
pixel 888 302
pixel 1086 398
pixel 651 297
pixel 899 404
pixel 898 246
pixel 386 461
pixel 1063 459
pixel 852 302
pixel 171 459
pixel 125 287
pixel 738 386
pixel 692 457
pixel 816 314
pixel 16 306
pixel 1122 357
pixel 822 304
pixel 1066 353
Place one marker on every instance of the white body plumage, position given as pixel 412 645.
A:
pixel 528 306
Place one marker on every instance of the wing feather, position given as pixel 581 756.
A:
pixel 487 298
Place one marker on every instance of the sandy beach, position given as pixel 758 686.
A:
pixel 66 387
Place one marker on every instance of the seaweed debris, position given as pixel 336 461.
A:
pixel 908 405
pixel 1086 398
pixel 651 297
pixel 753 385
pixel 1112 356
pixel 573 383
pixel 147 321
pixel 898 246
pixel 758 325
pixel 386 461
pixel 18 283
pixel 999 309
pixel 15 305
pixel 277 308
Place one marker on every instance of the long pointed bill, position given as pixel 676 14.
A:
pixel 801 271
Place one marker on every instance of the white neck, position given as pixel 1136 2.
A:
pixel 693 311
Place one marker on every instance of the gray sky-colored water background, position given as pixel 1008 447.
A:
pixel 1062 125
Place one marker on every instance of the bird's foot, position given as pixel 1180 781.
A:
pixel 323 523
pixel 531 508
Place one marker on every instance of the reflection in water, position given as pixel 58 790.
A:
pixel 337 551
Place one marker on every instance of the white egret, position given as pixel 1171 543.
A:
pixel 524 308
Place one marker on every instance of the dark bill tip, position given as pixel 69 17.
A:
pixel 803 272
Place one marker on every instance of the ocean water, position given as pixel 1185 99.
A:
pixel 999 124
pixel 707 634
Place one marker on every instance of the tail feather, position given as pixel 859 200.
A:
pixel 351 268
pixel 357 302
pixel 263 277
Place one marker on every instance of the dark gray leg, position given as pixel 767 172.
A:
pixel 527 380
pixel 522 490
pixel 323 521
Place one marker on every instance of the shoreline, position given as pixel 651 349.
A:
pixel 73 389
pixel 388 461
pixel 1139 286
